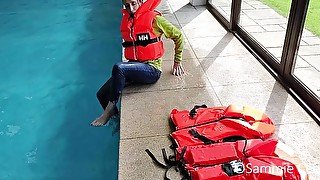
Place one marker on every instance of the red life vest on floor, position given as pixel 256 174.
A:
pixel 203 114
pixel 222 131
pixel 140 41
pixel 225 143
pixel 252 159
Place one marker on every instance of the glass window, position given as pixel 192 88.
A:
pixel 266 21
pixel 223 6
pixel 307 66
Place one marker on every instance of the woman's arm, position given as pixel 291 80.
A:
pixel 163 26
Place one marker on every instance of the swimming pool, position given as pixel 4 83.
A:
pixel 54 55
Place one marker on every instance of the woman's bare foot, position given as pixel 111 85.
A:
pixel 100 121
pixel 110 110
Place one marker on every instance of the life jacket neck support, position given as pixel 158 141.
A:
pixel 149 5
pixel 140 41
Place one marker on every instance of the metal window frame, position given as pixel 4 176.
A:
pixel 282 71
pixel 297 17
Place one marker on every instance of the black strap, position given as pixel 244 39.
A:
pixel 245 148
pixel 166 173
pixel 183 151
pixel 193 111
pixel 140 43
pixel 155 160
pixel 202 138
pixel 127 44
pixel 169 163
pixel 184 173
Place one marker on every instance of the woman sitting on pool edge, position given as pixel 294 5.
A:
pixel 141 29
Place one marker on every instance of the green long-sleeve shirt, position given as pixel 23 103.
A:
pixel 163 26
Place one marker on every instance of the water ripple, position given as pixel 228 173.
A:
pixel 31 156
pixel 28 97
pixel 12 130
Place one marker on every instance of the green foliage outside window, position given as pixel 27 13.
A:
pixel 313 16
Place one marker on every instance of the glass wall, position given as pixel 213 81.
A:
pixel 307 66
pixel 272 30
pixel 223 6
pixel 266 21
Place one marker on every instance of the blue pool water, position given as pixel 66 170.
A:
pixel 54 56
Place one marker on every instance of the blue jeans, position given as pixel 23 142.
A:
pixel 124 73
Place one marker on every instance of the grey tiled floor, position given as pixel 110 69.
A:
pixel 220 71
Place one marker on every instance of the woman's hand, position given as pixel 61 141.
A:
pixel 177 69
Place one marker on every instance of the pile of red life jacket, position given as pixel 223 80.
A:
pixel 222 143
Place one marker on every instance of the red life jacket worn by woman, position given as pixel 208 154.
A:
pixel 140 41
